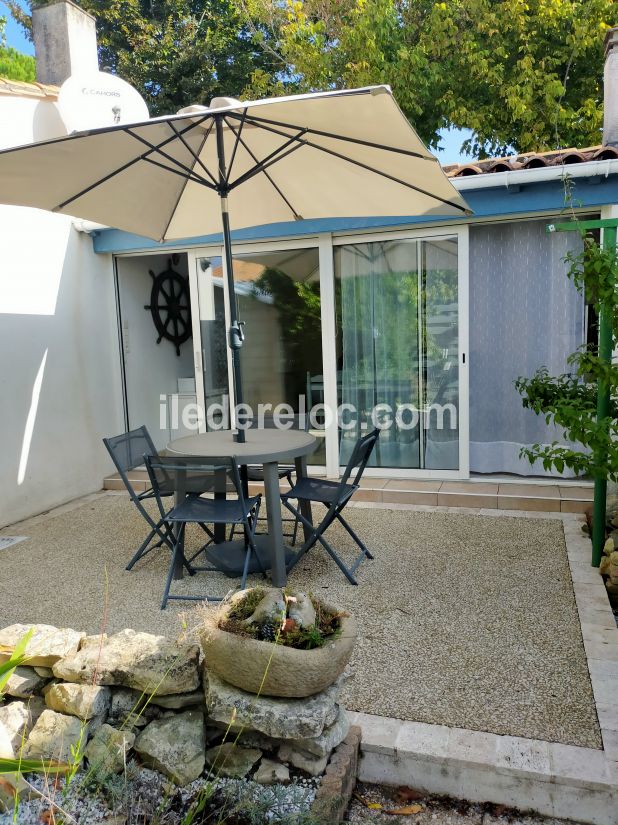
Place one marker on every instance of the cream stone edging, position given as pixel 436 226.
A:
pixel 546 777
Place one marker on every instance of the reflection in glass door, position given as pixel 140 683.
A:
pixel 397 350
pixel 213 356
pixel 278 297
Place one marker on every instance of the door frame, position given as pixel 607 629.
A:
pixel 325 244
pixel 460 232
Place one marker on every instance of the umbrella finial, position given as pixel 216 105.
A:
pixel 225 103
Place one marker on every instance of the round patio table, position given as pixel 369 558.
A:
pixel 268 448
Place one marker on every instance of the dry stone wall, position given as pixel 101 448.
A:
pixel 108 697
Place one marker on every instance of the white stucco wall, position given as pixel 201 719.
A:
pixel 60 388
pixel 152 369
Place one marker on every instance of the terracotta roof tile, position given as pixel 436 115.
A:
pixel 530 160
pixel 18 88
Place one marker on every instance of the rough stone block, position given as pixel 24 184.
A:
pixel 277 717
pixel 175 746
pixel 24 683
pixel 153 664
pixel 54 735
pixel 84 701
pixel 17 720
pixel 46 646
pixel 231 760
pixel 107 750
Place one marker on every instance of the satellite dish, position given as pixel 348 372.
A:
pixel 89 101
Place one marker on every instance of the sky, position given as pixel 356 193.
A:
pixel 451 139
pixel 15 36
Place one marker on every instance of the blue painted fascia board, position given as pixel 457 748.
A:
pixel 496 202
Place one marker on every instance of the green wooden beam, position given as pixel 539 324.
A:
pixel 605 355
pixel 577 226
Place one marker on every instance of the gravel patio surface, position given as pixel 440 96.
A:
pixel 465 620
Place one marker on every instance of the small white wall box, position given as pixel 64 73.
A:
pixel 186 385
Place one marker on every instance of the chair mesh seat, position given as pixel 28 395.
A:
pixel 322 490
pixel 212 511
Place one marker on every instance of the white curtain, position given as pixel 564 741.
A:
pixel 524 313
pixel 378 319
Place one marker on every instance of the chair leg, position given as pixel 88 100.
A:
pixel 360 543
pixel 295 533
pixel 143 550
pixel 346 572
pixel 313 538
pixel 178 547
pixel 160 529
pixel 317 535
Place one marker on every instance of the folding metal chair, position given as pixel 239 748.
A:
pixel 127 452
pixel 334 495
pixel 255 472
pixel 166 471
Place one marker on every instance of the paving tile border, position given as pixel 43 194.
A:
pixel 545 777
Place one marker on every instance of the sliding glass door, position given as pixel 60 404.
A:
pixel 363 331
pixel 397 349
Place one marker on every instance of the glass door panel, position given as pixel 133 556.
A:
pixel 278 297
pixel 211 301
pixel 440 355
pixel 397 350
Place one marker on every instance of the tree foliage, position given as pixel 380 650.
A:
pixel 569 400
pixel 522 74
pixel 176 52
pixel 13 64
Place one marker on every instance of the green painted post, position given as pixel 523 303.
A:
pixel 603 400
pixel 605 355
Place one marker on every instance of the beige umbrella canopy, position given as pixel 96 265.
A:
pixel 349 153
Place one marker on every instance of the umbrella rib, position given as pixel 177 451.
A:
pixel 372 169
pixel 268 177
pixel 120 169
pixel 179 172
pixel 383 146
pixel 276 155
pixel 262 166
pixel 194 154
pixel 236 142
pixel 190 173
pixel 182 189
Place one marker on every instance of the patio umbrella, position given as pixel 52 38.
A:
pixel 349 153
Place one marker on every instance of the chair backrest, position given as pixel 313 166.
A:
pixel 217 474
pixel 127 452
pixel 360 456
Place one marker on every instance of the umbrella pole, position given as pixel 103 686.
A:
pixel 235 332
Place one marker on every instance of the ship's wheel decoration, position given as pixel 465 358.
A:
pixel 170 306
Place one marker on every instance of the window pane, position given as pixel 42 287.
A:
pixel 440 349
pixel 377 295
pixel 278 297
pixel 397 350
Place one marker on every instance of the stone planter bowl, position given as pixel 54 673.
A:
pixel 290 672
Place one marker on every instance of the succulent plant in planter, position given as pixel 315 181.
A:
pixel 278 642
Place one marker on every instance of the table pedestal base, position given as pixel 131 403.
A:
pixel 229 556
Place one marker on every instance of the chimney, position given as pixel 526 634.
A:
pixel 65 41
pixel 610 84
